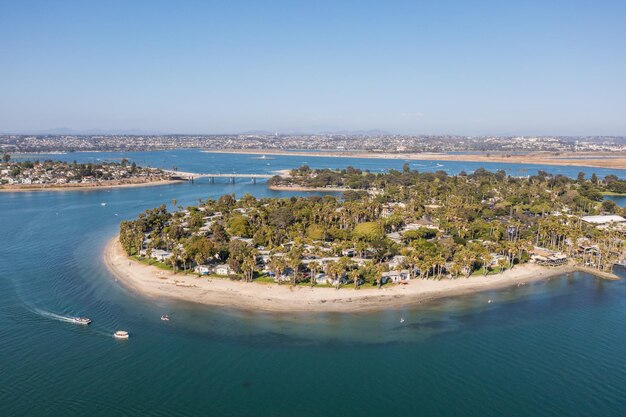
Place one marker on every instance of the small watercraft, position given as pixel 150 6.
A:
pixel 81 320
pixel 165 317
pixel 120 334
pixel 401 319
pixel 489 302
pixel 103 204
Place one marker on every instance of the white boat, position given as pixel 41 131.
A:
pixel 120 334
pixel 401 320
pixel 165 317
pixel 103 204
pixel 81 320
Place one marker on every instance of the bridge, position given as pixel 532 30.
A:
pixel 190 176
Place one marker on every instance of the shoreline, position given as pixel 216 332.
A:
pixel 85 187
pixel 571 159
pixel 310 189
pixel 152 282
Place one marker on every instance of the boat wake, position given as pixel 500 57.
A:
pixel 53 316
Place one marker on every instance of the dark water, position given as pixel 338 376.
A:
pixel 554 348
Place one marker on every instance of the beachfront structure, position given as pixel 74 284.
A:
pixel 546 257
pixel 224 269
pixel 160 255
pixel 395 276
pixel 203 269
pixel 321 279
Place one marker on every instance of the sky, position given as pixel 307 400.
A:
pixel 410 67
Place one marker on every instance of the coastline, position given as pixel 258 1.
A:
pixel 150 281
pixel 83 187
pixel 593 160
pixel 309 189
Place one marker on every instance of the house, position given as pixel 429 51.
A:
pixel 321 279
pixel 389 208
pixel 224 269
pixel 348 252
pixel 160 255
pixel 396 262
pixel 395 276
pixel 202 269
pixel 495 258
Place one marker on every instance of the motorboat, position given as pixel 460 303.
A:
pixel 401 319
pixel 121 334
pixel 165 317
pixel 81 320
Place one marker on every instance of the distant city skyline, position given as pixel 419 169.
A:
pixel 407 67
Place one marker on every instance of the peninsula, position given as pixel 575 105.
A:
pixel 56 175
pixel 392 239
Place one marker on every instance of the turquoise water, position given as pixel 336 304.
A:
pixel 545 349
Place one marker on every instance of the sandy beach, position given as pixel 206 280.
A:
pixel 308 189
pixel 589 159
pixel 151 281
pixel 84 187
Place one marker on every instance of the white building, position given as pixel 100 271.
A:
pixel 224 269
pixel 203 269
pixel 603 219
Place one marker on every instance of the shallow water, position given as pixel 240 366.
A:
pixel 543 349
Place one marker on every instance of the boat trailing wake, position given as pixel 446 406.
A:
pixel 69 319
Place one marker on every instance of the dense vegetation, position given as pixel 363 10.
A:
pixel 440 225
pixel 49 171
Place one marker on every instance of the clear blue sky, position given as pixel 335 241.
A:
pixel 466 67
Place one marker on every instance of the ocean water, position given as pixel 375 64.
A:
pixel 551 348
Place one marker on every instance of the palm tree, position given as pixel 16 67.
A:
pixel 174 257
pixel 277 266
pixel 380 269
pixel 355 276
pixel 293 260
pixel 332 269
pixel 185 258
pixel 502 264
pixel 248 267
pixel 486 258
pixel 313 267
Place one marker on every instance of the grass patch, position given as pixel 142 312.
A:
pixel 152 262
pixel 481 272
pixel 265 279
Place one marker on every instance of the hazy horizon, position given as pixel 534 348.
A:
pixel 451 67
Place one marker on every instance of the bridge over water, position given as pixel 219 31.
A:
pixel 190 176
